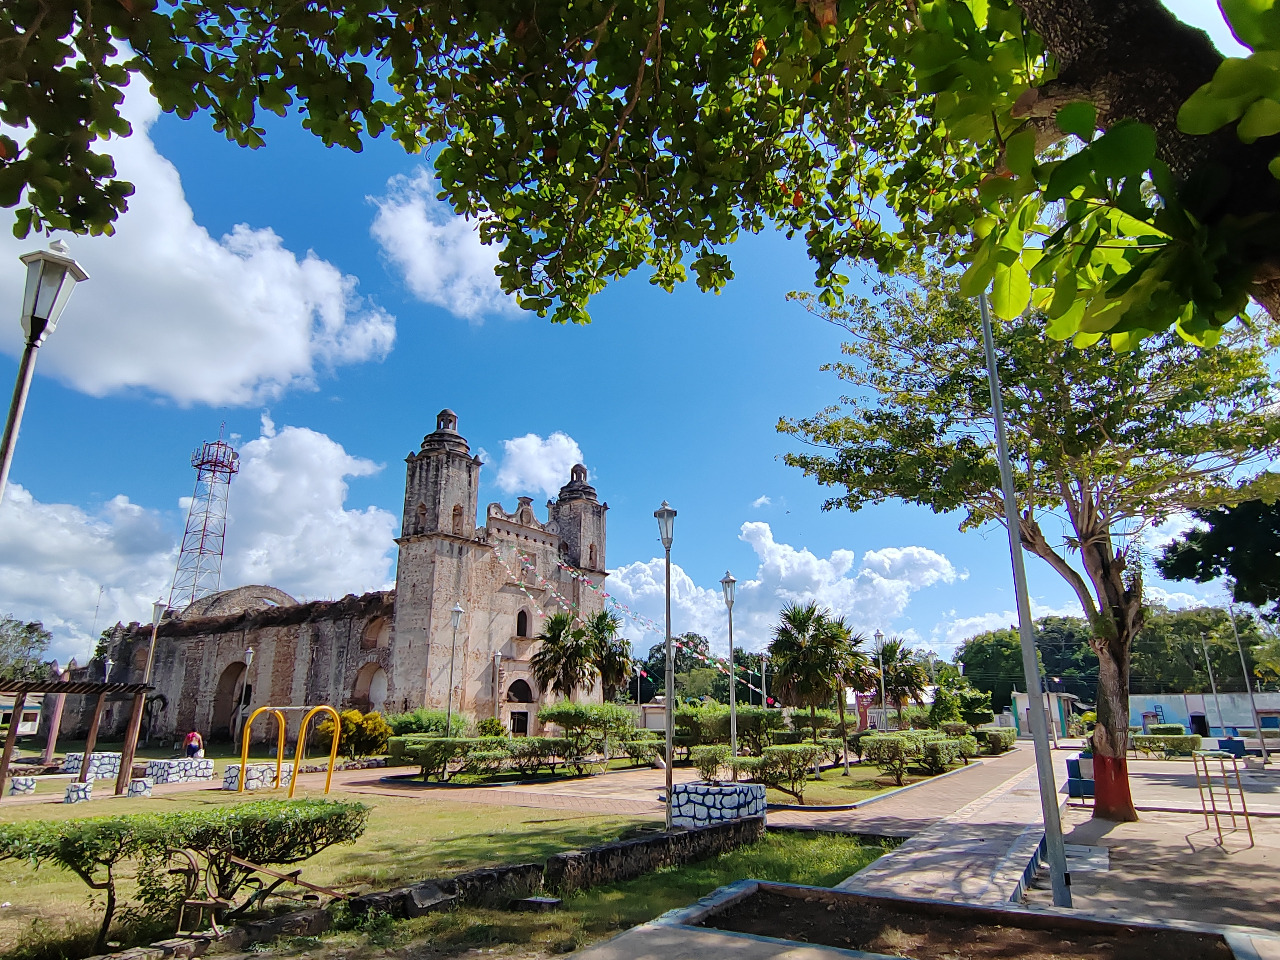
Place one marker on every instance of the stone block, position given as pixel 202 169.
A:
pixel 78 792
pixel 22 786
pixel 141 786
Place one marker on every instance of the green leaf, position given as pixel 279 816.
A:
pixel 1020 152
pixel 1078 118
pixel 1274 167
pixel 1255 23
pixel 1126 150
pixel 1262 119
pixel 1010 291
pixel 1075 171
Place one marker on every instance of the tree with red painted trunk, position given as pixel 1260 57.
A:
pixel 1104 444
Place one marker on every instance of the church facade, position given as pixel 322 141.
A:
pixel 391 650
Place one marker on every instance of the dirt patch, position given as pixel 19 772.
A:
pixel 858 925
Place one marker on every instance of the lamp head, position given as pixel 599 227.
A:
pixel 157 611
pixel 51 276
pixel 666 523
pixel 455 615
pixel 879 635
pixel 248 657
pixel 728 583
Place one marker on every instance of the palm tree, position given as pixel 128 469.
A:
pixel 807 653
pixel 905 676
pixel 856 671
pixel 565 660
pixel 611 654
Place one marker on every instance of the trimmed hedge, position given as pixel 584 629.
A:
pixel 967 747
pixel 1167 746
pixel 892 752
pixel 425 721
pixel 937 755
pixel 1166 730
pixel 709 760
pixel 785 767
pixel 997 739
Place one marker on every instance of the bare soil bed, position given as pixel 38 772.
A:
pixel 858 925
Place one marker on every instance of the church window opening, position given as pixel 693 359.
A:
pixel 422 519
pixel 520 692
pixel 457 520
pixel 522 624
pixel 592 554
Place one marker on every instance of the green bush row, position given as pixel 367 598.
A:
pixel 997 739
pixel 426 721
pixel 1167 746
pixel 784 767
pixel 1166 730
pixel 98 849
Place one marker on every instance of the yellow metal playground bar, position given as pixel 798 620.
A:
pixel 278 713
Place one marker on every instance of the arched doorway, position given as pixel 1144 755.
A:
pixel 227 697
pixel 371 688
pixel 519 692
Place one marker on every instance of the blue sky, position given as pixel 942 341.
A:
pixel 324 307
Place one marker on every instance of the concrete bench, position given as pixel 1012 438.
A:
pixel 181 770
pixel 22 786
pixel 261 776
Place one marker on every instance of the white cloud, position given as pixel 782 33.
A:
pixel 288 526
pixel 170 309
pixel 761 501
pixel 530 463
pixel 869 595
pixel 950 634
pixel 439 254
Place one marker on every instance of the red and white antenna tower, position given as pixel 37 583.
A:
pixel 199 570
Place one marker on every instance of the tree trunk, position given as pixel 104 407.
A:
pixel 1112 798
pixel 100 945
pixel 844 731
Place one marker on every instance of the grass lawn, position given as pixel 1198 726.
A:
pixel 406 840
pixel 589 915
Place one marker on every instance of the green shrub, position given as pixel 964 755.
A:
pixel 784 767
pixel 436 754
pixel 702 723
pixel 892 752
pixel 788 737
pixel 588 727
pixel 955 729
pixel 831 750
pixel 531 754
pixel 264 832
pixel 642 751
pixel 360 735
pixel 709 760
pixel 937 755
pixel 486 763
pixel 967 747
pixel 426 721
pixel 1167 730
pixel 824 720
pixel 490 727
pixel 1167 746
pixel 975 707
pixel 998 739
pixel 757 727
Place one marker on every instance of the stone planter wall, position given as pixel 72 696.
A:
pixel 701 804
pixel 180 770
pixel 262 776
pixel 102 766
pixel 141 786
pixel 78 792
pixel 22 786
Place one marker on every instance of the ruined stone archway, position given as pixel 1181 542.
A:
pixel 371 688
pixel 226 699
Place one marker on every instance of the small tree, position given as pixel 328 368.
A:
pixel 565 660
pixel 361 734
pixel 610 654
pixel 22 649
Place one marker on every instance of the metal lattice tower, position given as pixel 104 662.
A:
pixel 199 568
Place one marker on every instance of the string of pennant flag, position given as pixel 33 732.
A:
pixel 542 583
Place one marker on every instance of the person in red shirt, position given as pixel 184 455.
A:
pixel 194 744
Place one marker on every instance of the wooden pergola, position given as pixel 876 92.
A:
pixel 21 688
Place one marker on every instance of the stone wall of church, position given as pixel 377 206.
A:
pixel 325 652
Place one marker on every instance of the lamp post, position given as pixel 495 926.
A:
pixel 244 687
pixel 666 525
pixel 455 616
pixel 139 701
pixel 884 706
pixel 727 584
pixel 51 276
pixel 1054 848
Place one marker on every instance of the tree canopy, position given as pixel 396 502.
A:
pixel 1239 542
pixel 22 648
pixel 595 138
pixel 1103 443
